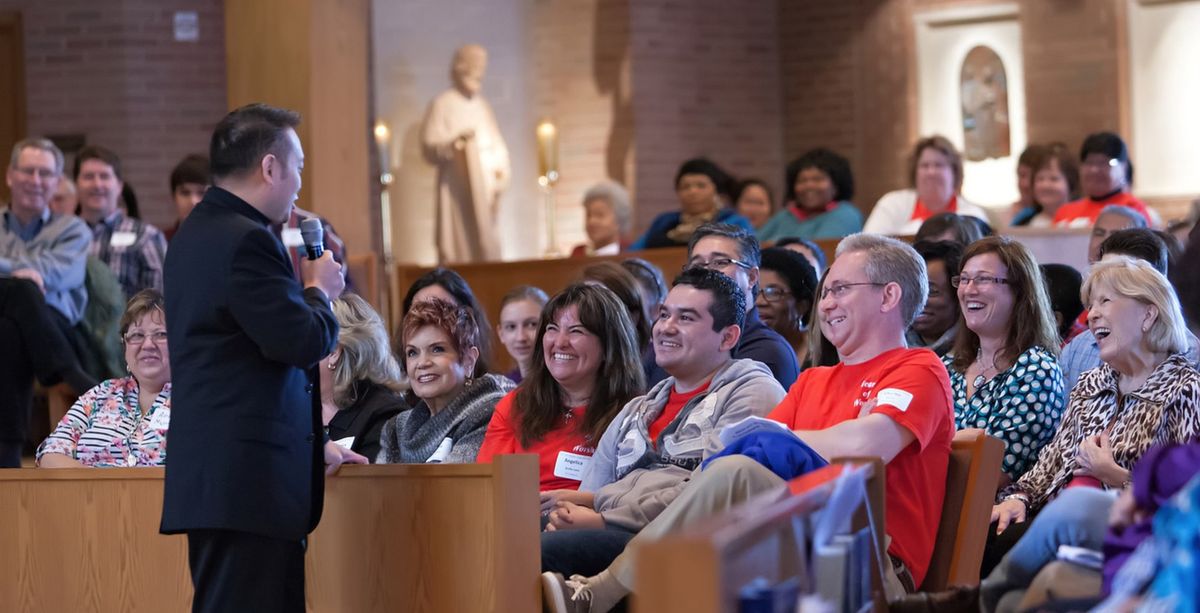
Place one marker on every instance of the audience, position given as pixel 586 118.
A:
pixel 65 199
pixel 1112 219
pixel 1055 182
pixel 650 282
pixel 608 220
pixel 1026 166
pixel 1144 393
pixel 649 452
pixel 189 180
pixel 935 327
pixel 1105 177
pixel 817 203
pixel 122 422
pixel 360 380
pixel 753 200
pixel 624 285
pixel 133 249
pixel 584 368
pixel 698 184
pixel 787 292
pixel 935 175
pixel 520 309
pixel 810 250
pixel 449 286
pixel 883 400
pixel 1062 286
pixel 450 408
pixel 951 227
pixel 1004 369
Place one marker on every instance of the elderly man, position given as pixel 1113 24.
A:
pixel 883 399
pixel 43 257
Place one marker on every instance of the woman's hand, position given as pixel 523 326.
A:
pixel 1009 511
pixel 551 498
pixel 570 516
pixel 1095 459
pixel 336 455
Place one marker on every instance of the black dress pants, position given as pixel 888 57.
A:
pixel 240 571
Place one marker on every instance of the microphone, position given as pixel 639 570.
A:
pixel 314 237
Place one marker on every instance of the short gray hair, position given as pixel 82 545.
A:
pixel 1117 209
pixel 892 261
pixel 41 144
pixel 1137 279
pixel 618 198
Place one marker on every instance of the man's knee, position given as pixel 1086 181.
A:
pixel 740 471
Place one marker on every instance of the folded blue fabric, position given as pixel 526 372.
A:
pixel 783 454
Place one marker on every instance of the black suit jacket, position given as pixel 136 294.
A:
pixel 245 433
pixel 374 404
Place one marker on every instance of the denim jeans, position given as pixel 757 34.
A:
pixel 582 552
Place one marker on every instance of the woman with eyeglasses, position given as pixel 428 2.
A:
pixel 1004 371
pixel 787 287
pixel 1105 174
pixel 122 422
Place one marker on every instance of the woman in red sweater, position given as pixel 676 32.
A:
pixel 585 367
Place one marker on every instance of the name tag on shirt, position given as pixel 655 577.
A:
pixel 292 238
pixel 443 450
pixel 160 420
pixel 346 443
pixel 122 239
pixel 894 397
pixel 571 465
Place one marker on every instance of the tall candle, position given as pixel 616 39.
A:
pixel 547 141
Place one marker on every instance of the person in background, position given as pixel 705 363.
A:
pixel 951 227
pixel 650 282
pixel 289 234
pixel 189 180
pixel 936 326
pixel 1113 219
pixel 585 367
pixel 622 283
pixel 133 249
pixel 122 422
pixel 1055 182
pixel 608 219
pixel 450 408
pixel 360 380
pixel 445 284
pixel 753 200
pixel 787 286
pixel 935 177
pixel 810 250
pixel 1063 283
pixel 817 203
pixel 1026 167
pixel 1105 177
pixel 65 199
pixel 520 310
pixel 698 185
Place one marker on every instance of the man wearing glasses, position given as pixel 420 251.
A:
pixel 1105 176
pixel 735 252
pixel 43 257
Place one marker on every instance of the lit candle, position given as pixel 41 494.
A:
pixel 547 141
pixel 383 140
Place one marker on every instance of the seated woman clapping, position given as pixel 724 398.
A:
pixel 360 380
pixel 585 367
pixel 440 345
pixel 122 422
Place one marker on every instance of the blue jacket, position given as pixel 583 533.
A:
pixel 656 236
pixel 783 454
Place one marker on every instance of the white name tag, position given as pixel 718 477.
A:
pixel 121 240
pixel 161 419
pixel 292 237
pixel 895 397
pixel 347 442
pixel 571 465
pixel 442 451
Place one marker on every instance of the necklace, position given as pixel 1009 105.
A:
pixel 980 379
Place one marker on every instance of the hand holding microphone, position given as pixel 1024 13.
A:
pixel 319 269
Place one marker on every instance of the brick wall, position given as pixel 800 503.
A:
pixel 113 73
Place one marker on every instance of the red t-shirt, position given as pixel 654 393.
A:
pixel 501 438
pixel 910 386
pixel 675 403
pixel 1082 213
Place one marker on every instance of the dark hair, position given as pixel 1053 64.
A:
pixel 748 248
pixel 1032 321
pixel 1030 156
pixel 539 403
pixel 1174 246
pixel 649 276
pixel 129 197
pixel 191 169
pixel 1067 164
pixel 728 306
pixel 1063 283
pixel 816 249
pixel 821 351
pixel 942 145
pixel 103 154
pixel 457 287
pixel 828 162
pixel 796 271
pixel 704 166
pixel 456 321
pixel 1141 243
pixel 245 135
pixel 948 252
pixel 751 182
pixel 622 283
pixel 966 229
pixel 139 304
pixel 1110 145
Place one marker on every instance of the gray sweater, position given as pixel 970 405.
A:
pixel 58 252
pixel 634 480
pixel 414 436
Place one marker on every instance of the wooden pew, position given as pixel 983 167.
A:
pixel 453 537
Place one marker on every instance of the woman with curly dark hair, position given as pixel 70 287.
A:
pixel 817 204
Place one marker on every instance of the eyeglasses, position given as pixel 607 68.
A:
pixel 1102 164
pixel 839 289
pixel 716 264
pixel 137 338
pixel 774 293
pixel 979 281
pixel 43 173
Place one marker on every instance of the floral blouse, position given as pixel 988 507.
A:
pixel 1020 406
pixel 105 427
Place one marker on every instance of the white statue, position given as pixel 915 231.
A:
pixel 461 138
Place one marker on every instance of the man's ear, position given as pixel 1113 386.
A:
pixel 730 337
pixel 267 167
pixel 892 295
pixel 752 275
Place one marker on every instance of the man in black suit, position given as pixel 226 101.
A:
pixel 244 477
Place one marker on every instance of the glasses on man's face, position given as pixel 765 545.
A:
pixel 44 174
pixel 1101 163
pixel 717 263
pixel 837 290
pixel 137 338
pixel 774 293
pixel 980 281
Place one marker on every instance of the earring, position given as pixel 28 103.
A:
pixel 332 365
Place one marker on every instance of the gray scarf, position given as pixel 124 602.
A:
pixel 413 436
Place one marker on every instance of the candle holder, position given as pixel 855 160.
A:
pixel 547 146
pixel 383 143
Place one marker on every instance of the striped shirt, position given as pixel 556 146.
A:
pixel 133 249
pixel 105 427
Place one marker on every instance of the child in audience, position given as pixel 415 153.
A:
pixel 519 312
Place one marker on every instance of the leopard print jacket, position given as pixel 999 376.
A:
pixel 1166 409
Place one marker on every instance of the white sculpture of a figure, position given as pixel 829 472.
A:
pixel 461 138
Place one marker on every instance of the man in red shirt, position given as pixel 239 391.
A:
pixel 882 400
pixel 1105 176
